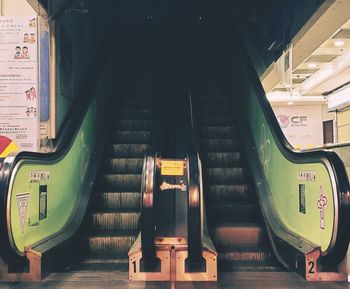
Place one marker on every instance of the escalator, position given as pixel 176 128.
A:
pixel 233 213
pixel 113 218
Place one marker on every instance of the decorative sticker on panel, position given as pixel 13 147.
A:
pixel 302 205
pixel 166 186
pixel 22 204
pixel 172 168
pixel 321 205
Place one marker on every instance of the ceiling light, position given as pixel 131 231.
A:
pixel 312 65
pixel 339 43
pixel 290 102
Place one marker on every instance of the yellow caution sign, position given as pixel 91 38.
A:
pixel 172 168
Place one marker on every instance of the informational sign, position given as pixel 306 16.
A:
pixel 19 111
pixel 172 168
pixel 22 205
pixel 301 125
pixel 302 205
pixel 321 205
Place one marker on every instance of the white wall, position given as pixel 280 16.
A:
pixel 16 8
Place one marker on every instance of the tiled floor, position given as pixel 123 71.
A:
pixel 249 280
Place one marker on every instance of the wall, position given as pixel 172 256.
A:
pixel 343 125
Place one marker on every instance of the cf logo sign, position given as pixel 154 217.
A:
pixel 298 119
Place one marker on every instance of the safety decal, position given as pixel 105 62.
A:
pixel 166 186
pixel 22 204
pixel 321 204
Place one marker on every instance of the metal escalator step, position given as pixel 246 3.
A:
pixel 138 103
pixel 110 220
pixel 118 200
pixel 113 182
pixel 216 120
pixel 225 159
pixel 136 113
pixel 111 245
pixel 140 84
pixel 247 266
pixel 135 137
pixel 220 145
pixel 218 131
pixel 102 264
pixel 212 100
pixel 123 165
pixel 229 193
pixel 133 125
pixel 229 236
pixel 249 254
pixel 128 150
pixel 233 213
pixel 214 109
pixel 226 175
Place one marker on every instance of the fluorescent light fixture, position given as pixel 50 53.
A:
pixel 290 102
pixel 312 65
pixel 338 98
pixel 339 43
pixel 336 66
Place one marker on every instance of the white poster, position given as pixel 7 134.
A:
pixel 19 83
pixel 301 125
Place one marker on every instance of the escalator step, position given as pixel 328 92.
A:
pixel 255 254
pixel 141 93
pixel 219 145
pixel 228 236
pixel 212 100
pixel 108 221
pixel 113 182
pixel 133 124
pixel 128 150
pixel 137 103
pixel 110 245
pixel 216 120
pixel 214 109
pixel 123 166
pixel 102 264
pixel 226 175
pixel 226 159
pixel 233 213
pixel 218 131
pixel 135 137
pixel 134 113
pixel 118 200
pixel 234 192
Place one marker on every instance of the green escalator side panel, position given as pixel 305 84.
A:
pixel 30 222
pixel 302 193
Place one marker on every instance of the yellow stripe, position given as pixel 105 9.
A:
pixel 9 149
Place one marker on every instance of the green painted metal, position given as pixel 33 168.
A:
pixel 63 180
pixel 282 176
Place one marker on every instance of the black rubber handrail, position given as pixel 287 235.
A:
pixel 147 221
pixel 65 139
pixel 335 165
pixel 194 198
pixel 194 215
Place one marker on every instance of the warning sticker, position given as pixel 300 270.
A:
pixel 22 204
pixel 172 168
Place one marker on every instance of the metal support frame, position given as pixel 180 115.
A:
pixel 33 274
pixel 313 269
pixel 172 253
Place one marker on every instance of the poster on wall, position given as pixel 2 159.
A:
pixel 19 111
pixel 301 125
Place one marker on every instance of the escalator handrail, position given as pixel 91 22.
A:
pixel 340 183
pixel 195 212
pixel 195 193
pixel 147 222
pixel 66 137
